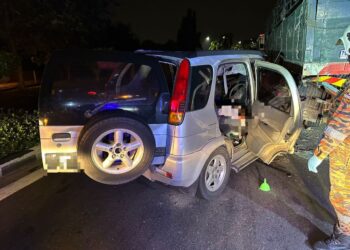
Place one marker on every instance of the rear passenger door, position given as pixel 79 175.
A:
pixel 199 124
pixel 276 112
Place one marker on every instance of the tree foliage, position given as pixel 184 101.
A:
pixel 8 63
pixel 34 28
pixel 225 43
pixel 18 131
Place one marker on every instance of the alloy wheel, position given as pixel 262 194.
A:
pixel 117 151
pixel 215 173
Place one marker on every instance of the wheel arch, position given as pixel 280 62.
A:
pixel 208 150
pixel 203 189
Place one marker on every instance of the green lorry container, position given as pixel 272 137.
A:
pixel 302 34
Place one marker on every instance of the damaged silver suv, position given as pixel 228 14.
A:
pixel 175 117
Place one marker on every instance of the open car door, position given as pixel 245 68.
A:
pixel 276 112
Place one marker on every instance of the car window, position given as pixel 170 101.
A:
pixel 201 78
pixel 273 90
pixel 237 85
pixel 169 71
pixel 80 75
pixel 136 81
pixel 111 79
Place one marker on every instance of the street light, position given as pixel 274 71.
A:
pixel 207 38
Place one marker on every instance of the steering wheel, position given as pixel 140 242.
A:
pixel 236 88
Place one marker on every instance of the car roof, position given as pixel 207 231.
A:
pixel 204 56
pixel 201 53
pixel 151 57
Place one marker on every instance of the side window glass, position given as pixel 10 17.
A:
pixel 201 78
pixel 169 71
pixel 83 76
pixel 273 90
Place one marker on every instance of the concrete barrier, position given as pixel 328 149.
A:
pixel 11 165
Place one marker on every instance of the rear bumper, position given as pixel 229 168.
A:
pixel 60 156
pixel 185 169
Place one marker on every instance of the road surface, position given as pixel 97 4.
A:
pixel 69 211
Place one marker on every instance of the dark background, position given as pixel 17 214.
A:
pixel 33 28
pixel 30 30
pixel 159 20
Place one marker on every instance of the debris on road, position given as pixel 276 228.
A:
pixel 308 140
pixel 265 187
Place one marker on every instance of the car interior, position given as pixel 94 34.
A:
pixel 232 101
pixel 270 117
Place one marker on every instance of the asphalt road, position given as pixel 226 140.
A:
pixel 69 211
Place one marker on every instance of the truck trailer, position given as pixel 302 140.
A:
pixel 307 37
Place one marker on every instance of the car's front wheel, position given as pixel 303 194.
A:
pixel 215 175
pixel 116 150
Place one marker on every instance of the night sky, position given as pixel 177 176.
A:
pixel 158 20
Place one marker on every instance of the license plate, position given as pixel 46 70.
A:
pixel 343 54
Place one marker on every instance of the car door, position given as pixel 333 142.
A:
pixel 276 112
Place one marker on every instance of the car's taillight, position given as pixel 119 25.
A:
pixel 178 100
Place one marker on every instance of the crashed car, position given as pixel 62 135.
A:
pixel 181 118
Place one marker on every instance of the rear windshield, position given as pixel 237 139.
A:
pixel 106 78
pixel 76 84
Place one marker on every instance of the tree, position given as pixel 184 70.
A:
pixel 8 64
pixel 187 36
pixel 226 42
pixel 117 36
pixel 37 27
pixel 215 45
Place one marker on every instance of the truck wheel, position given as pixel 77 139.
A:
pixel 215 175
pixel 116 150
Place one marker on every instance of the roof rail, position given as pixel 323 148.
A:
pixel 199 53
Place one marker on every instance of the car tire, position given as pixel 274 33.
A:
pixel 220 170
pixel 92 153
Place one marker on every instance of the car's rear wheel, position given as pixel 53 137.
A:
pixel 116 150
pixel 215 175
